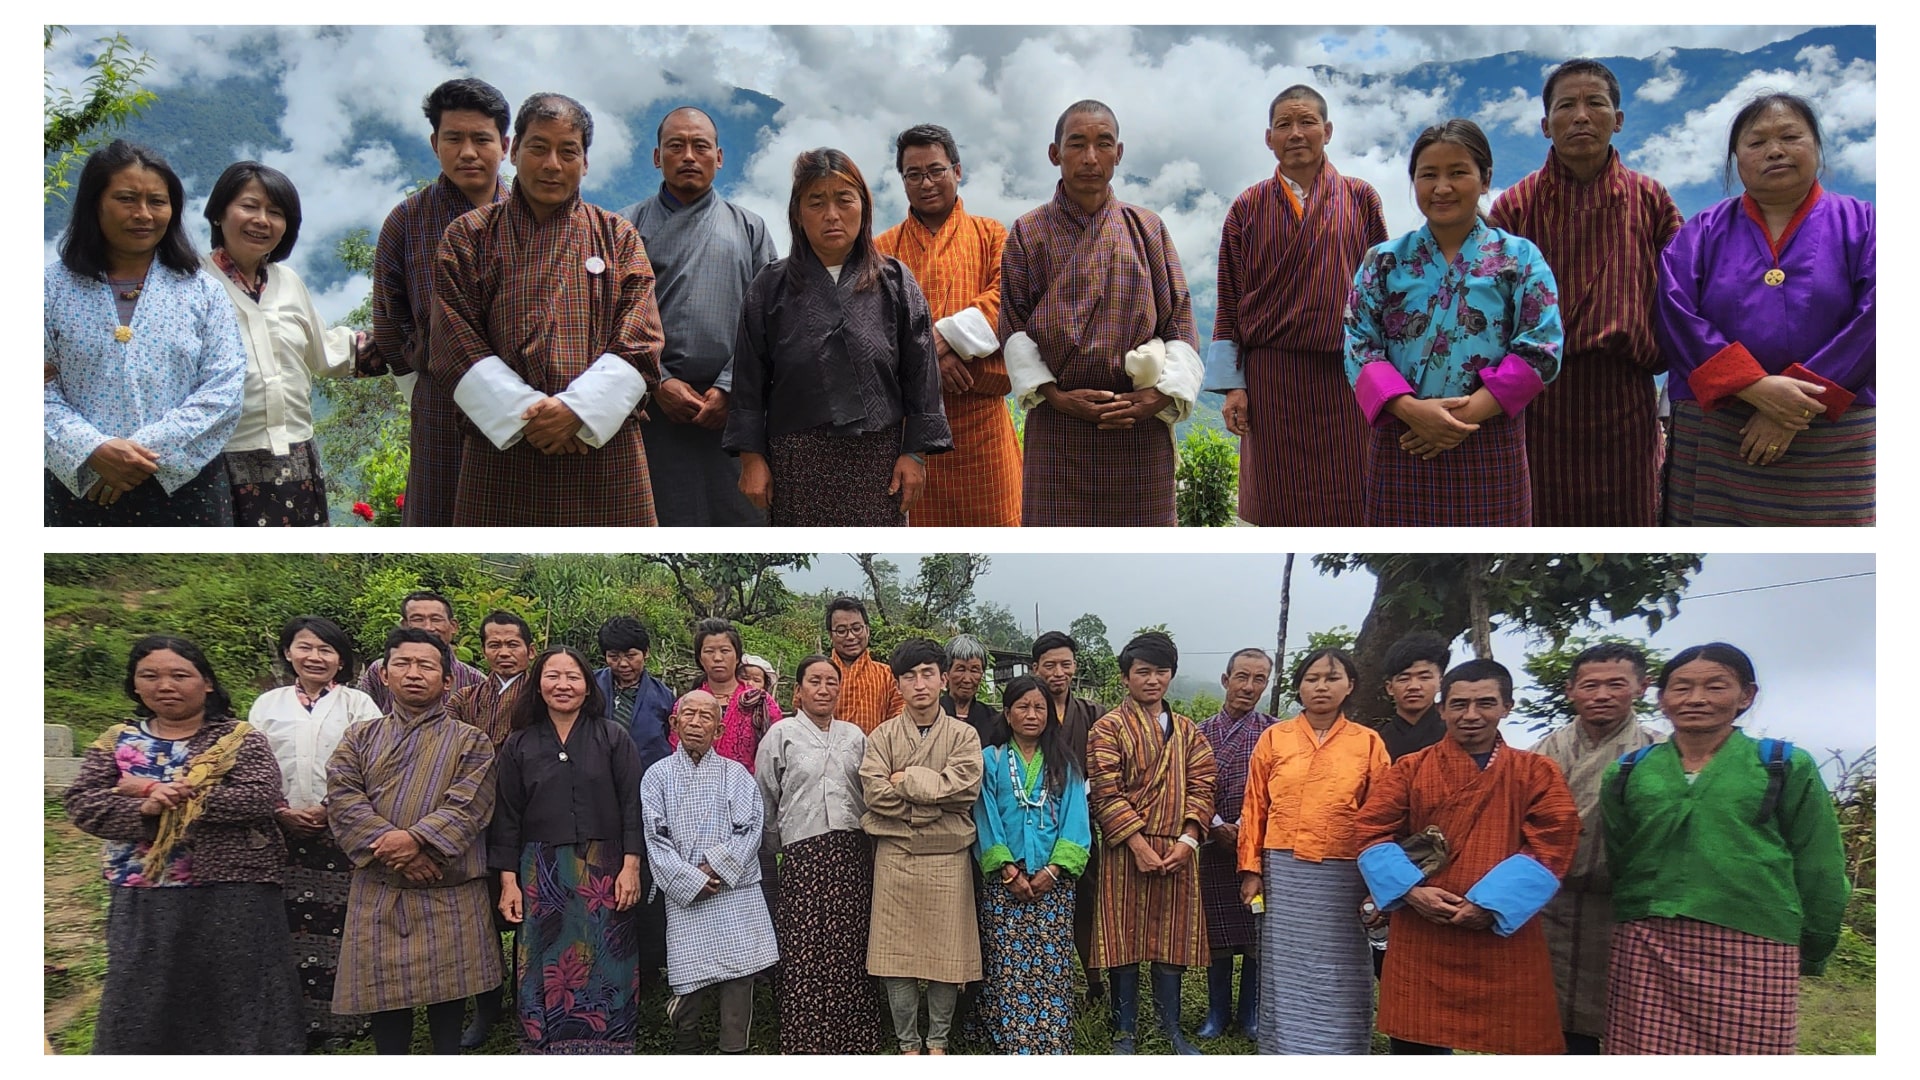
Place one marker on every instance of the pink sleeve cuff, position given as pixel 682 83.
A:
pixel 1513 383
pixel 1378 384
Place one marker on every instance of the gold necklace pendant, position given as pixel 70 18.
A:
pixel 123 334
pixel 1775 277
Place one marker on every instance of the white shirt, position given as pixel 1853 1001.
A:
pixel 303 741
pixel 287 344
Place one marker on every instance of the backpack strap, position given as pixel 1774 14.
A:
pixel 1775 754
pixel 1627 762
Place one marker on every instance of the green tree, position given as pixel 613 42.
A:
pixel 363 423
pixel 1548 595
pixel 1208 476
pixel 743 588
pixel 1098 667
pixel 76 123
pixel 1550 667
pixel 997 626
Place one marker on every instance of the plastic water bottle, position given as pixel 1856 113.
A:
pixel 1376 930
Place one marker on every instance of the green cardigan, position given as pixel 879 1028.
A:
pixel 1692 851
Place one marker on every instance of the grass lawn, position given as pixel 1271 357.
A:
pixel 1836 1010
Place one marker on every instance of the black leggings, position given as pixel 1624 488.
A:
pixel 393 1029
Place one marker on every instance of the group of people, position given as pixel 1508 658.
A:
pixel 663 365
pixel 897 839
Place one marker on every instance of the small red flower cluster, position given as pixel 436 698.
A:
pixel 400 501
pixel 363 510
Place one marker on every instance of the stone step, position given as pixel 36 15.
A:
pixel 61 771
pixel 59 740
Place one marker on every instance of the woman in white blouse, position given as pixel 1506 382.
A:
pixel 304 723
pixel 272 461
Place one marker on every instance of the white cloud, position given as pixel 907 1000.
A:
pixel 1661 88
pixel 1518 112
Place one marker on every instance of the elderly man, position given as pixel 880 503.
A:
pixel 703 817
pixel 920 777
pixel 1288 251
pixel 955 257
pixel 469 137
pixel 546 337
pixel 1231 733
pixel 704 251
pixel 1593 440
pixel 1469 967
pixel 1100 346
pixel 409 797
pixel 426 610
pixel 869 694
pixel 1603 686
pixel 966 669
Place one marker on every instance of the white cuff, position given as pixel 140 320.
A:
pixel 1145 363
pixel 1223 368
pixel 603 397
pixel 405 383
pixel 1025 370
pixel 493 397
pixel 967 333
pixel 1180 381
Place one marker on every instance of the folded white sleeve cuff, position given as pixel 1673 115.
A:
pixel 493 397
pixel 967 333
pixel 1025 370
pixel 603 397
pixel 405 383
pixel 1145 363
pixel 1180 380
pixel 1223 368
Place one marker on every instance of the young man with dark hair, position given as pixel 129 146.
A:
pixel 1469 967
pixel 869 694
pixel 469 135
pixel 921 777
pixel 1604 684
pixel 1150 779
pixel 424 609
pixel 1414 665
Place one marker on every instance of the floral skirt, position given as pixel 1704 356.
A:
pixel 284 489
pixel 318 876
pixel 576 958
pixel 204 500
pixel 828 1002
pixel 1026 1000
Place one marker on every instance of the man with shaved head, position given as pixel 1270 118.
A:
pixel 1098 333
pixel 705 251
pixel 1288 250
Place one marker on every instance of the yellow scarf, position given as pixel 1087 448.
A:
pixel 204 773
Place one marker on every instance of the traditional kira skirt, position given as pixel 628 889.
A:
pixel 828 1003
pixel 1303 461
pixel 576 958
pixel 821 479
pixel 318 876
pixel 288 489
pixel 1316 968
pixel 198 969
pixel 1825 477
pixel 1680 986
pixel 205 500
pixel 1026 999
pixel 1230 926
pixel 1482 482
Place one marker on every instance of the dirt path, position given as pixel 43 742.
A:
pixel 74 925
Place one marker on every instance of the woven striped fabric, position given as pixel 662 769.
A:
pixel 1680 986
pixel 869 694
pixel 1304 461
pixel 1593 445
pixel 1825 477
pixel 1316 969
pixel 1481 482
pixel 1283 281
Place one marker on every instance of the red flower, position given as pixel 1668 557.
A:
pixel 400 501
pixel 564 976
pixel 363 510
pixel 598 893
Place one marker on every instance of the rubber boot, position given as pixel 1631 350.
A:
pixel 1219 998
pixel 486 1012
pixel 1166 1000
pixel 1250 998
pixel 1123 989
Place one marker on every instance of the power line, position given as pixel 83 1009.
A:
pixel 1779 585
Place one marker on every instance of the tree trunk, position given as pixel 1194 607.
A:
pixel 1480 626
pixel 1385 625
pixel 1280 644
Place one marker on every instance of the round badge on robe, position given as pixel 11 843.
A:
pixel 596 264
pixel 563 755
pixel 1774 277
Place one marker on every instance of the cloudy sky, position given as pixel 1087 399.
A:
pixel 1812 645
pixel 998 87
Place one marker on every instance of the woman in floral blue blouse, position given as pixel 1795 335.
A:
pixel 1451 330
pixel 144 362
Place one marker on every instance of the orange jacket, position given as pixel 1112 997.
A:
pixel 1302 796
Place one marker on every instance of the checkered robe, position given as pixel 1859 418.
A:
pixel 1446 985
pixel 1087 288
pixel 978 483
pixel 520 289
pixel 486 706
pixel 405 944
pixel 707 812
pixel 402 303
pixel 1141 781
pixel 869 694
pixel 1229 924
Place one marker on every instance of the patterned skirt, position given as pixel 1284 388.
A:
pixel 1680 986
pixel 576 959
pixel 828 1003
pixel 821 479
pixel 1074 474
pixel 1026 999
pixel 1593 445
pixel 1302 463
pixel 205 500
pixel 1229 924
pixel 1316 969
pixel 288 489
pixel 318 876
pixel 199 969
pixel 1825 477
pixel 1482 482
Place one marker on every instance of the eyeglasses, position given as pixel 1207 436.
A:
pixel 915 177
pixel 847 631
